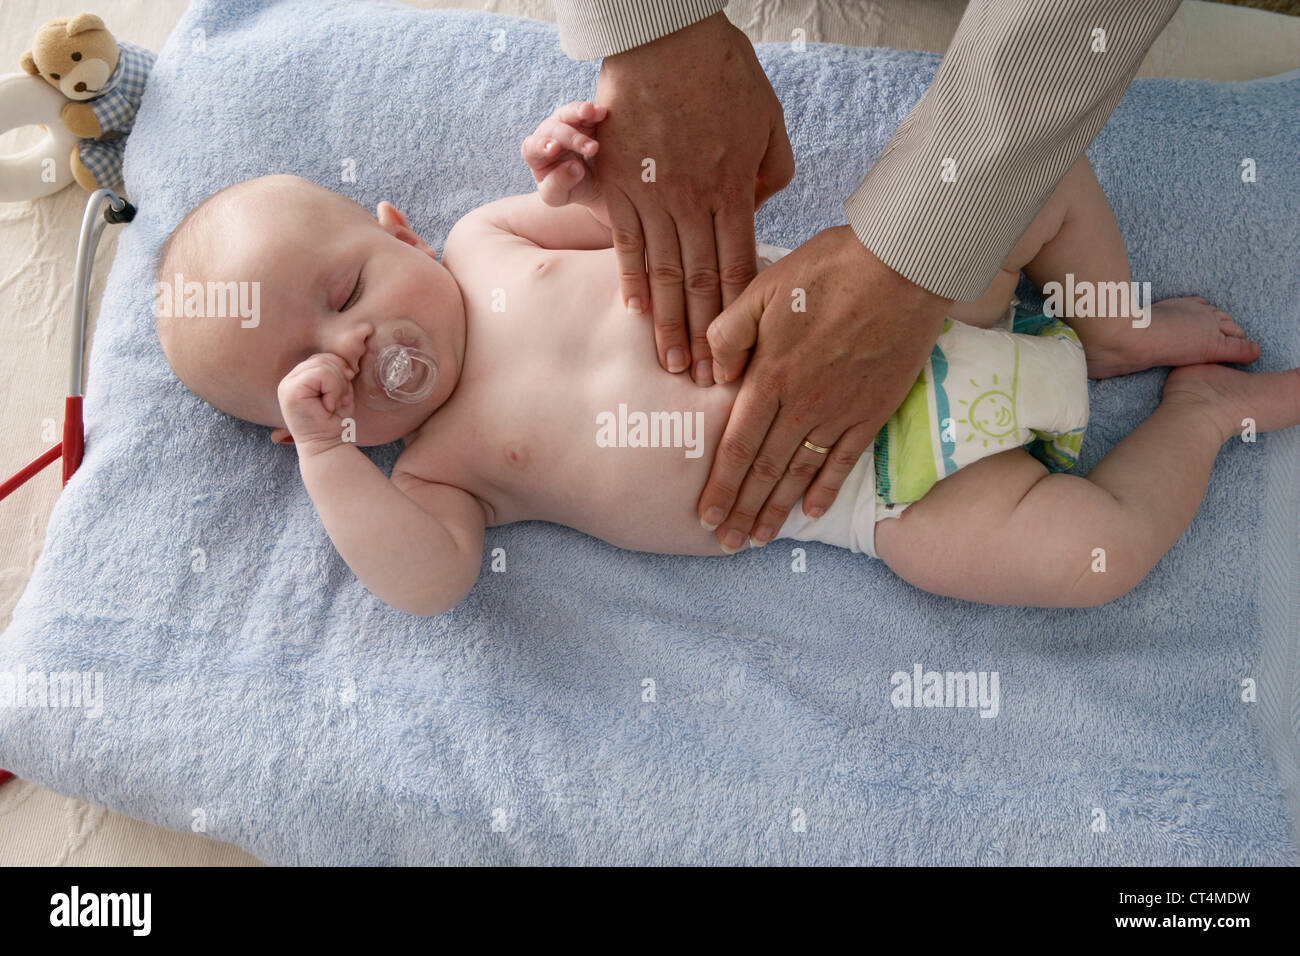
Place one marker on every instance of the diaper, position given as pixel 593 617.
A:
pixel 981 391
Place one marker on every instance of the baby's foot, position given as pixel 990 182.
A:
pixel 1184 331
pixel 1228 396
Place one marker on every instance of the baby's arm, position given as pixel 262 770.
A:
pixel 415 545
pixel 567 211
pixel 529 218
pixel 558 154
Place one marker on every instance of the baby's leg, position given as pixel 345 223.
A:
pixel 1005 531
pixel 991 307
pixel 1076 233
pixel 1087 244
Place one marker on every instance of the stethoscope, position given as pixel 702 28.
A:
pixel 74 436
pixel 73 443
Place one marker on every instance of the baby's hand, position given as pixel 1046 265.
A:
pixel 314 399
pixel 558 151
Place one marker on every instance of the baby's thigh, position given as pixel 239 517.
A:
pixel 991 307
pixel 1002 530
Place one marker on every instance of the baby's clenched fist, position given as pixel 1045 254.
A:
pixel 315 399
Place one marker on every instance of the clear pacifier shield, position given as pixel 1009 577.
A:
pixel 406 374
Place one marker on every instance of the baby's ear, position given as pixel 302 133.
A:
pixel 387 213
pixel 281 436
pixel 391 218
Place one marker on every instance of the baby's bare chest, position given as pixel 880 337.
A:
pixel 562 412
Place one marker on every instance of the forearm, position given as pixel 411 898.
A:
pixel 598 28
pixel 1020 94
pixel 404 556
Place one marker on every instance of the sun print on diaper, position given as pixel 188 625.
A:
pixel 992 412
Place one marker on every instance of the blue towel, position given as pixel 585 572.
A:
pixel 592 705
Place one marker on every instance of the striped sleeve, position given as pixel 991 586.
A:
pixel 1022 91
pixel 592 28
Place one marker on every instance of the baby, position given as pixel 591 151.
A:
pixel 515 375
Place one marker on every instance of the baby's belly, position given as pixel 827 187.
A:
pixel 646 472
pixel 634 479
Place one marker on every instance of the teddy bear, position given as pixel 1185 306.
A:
pixel 104 78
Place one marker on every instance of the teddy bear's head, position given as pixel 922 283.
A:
pixel 75 55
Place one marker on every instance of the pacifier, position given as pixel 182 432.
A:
pixel 405 374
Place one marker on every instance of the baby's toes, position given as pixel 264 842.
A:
pixel 1236 348
pixel 1229 327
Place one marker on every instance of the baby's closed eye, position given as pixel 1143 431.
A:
pixel 355 296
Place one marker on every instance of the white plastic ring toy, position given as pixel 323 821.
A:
pixel 45 167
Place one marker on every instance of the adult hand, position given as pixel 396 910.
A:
pixel 832 375
pixel 694 142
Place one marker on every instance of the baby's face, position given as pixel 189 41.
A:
pixel 332 279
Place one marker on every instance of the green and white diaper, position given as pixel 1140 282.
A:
pixel 981 391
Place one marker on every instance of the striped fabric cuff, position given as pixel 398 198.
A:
pixel 1022 91
pixel 598 28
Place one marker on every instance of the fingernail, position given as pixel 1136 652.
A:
pixel 704 372
pixel 634 304
pixel 733 541
pixel 763 535
pixel 547 147
pixel 676 360
pixel 712 518
pixel 816 512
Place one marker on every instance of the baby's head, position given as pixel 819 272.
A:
pixel 313 272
